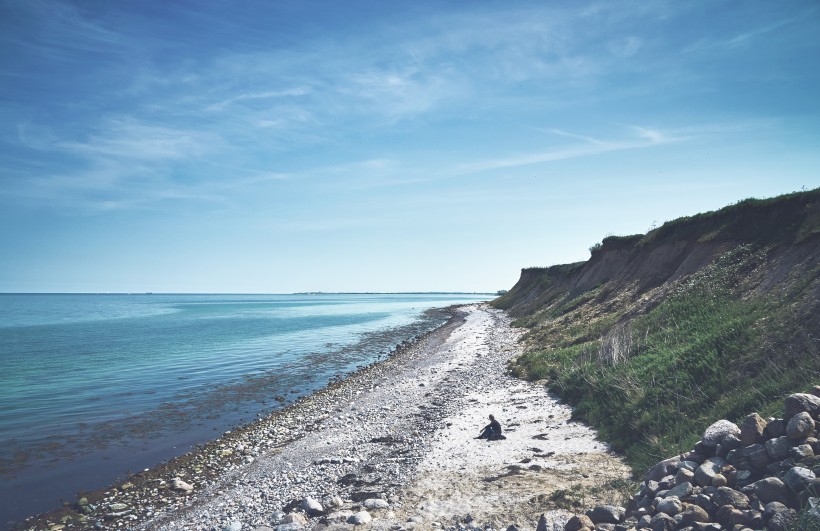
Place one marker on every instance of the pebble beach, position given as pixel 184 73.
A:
pixel 392 446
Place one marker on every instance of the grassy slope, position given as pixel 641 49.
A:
pixel 719 343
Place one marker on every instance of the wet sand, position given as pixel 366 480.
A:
pixel 394 440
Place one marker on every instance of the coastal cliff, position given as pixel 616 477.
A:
pixel 658 334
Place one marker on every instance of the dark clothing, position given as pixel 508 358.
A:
pixel 491 431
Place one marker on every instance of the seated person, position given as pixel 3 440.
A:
pixel 492 431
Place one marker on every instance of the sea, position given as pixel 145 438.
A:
pixel 96 386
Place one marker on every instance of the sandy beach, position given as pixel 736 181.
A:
pixel 390 447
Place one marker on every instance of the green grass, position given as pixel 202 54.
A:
pixel 709 351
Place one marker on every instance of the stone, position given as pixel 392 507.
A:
pixel 684 475
pixel 706 471
pixel 606 514
pixel 312 507
pixel 778 448
pixel 233 525
pixel 751 430
pixel 376 504
pixel 339 517
pixel 671 505
pixel 782 520
pixel 771 489
pixel 662 522
pixel 692 514
pixel 295 518
pixel 727 496
pixel 578 522
pixel 757 455
pixel 180 485
pixel 799 426
pixel 680 491
pixel 797 478
pixel 775 428
pixel 802 402
pixel 719 480
pixel 663 469
pixel 715 433
pixel 360 518
pixel 801 452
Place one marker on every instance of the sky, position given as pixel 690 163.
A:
pixel 277 146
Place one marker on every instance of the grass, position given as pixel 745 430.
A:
pixel 712 349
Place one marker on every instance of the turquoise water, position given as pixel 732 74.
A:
pixel 92 386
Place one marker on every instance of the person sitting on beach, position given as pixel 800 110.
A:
pixel 492 431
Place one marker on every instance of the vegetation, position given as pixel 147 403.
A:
pixel 650 366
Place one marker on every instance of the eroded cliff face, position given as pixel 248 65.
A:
pixel 639 270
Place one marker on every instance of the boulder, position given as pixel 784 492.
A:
pixel 663 469
pixel 684 475
pixel 360 518
pixel 797 478
pixel 778 449
pixel 782 520
pixel 339 517
pixel 312 507
pixel 297 519
pixel 376 504
pixel 757 455
pixel 662 522
pixel 606 514
pixel 771 489
pixel 751 430
pixel 180 485
pixel 579 522
pixel 799 402
pixel 801 425
pixel 706 471
pixel 715 433
pixel 775 428
pixel 671 505
pixel 680 491
pixel 727 496
pixel 801 452
pixel 233 525
pixel 691 514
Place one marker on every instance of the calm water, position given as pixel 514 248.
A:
pixel 94 386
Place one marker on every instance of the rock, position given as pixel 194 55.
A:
pixel 727 496
pixel 662 522
pixel 360 518
pixel 312 507
pixel 295 518
pixel 801 452
pixel 180 485
pixel 771 489
pixel 680 491
pixel 233 525
pixel 376 504
pixel 715 433
pixel 606 514
pixel 719 480
pixel 797 478
pixel 799 402
pixel 333 501
pixel 757 455
pixel 778 449
pixel 579 522
pixel 263 528
pixel 782 520
pixel 671 505
pixel 774 428
pixel 799 426
pixel 751 430
pixel 662 469
pixel 706 471
pixel 691 514
pixel 339 517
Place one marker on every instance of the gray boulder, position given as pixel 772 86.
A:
pixel 801 452
pixel 715 433
pixel 606 514
pixel 691 514
pixel 662 522
pixel 799 426
pixel 778 449
pixel 727 496
pixel 360 518
pixel 312 507
pixel 662 469
pixel 802 402
pixel 706 471
pixel 775 428
pixel 671 505
pixel 782 520
pixel 680 491
pixel 797 478
pixel 771 489
pixel 757 455
pixel 376 504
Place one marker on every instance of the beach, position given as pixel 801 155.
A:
pixel 392 446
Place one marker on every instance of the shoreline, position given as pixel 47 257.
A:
pixel 398 431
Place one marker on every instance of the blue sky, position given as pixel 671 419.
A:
pixel 281 146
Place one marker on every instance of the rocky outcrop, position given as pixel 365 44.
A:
pixel 762 474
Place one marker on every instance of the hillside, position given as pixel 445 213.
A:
pixel 657 335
